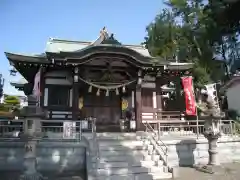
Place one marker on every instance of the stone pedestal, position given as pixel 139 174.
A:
pixel 212 133
pixel 212 150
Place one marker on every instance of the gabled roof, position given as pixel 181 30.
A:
pixel 60 45
pixel 79 51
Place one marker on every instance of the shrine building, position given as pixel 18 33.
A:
pixel 102 79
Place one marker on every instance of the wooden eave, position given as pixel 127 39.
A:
pixel 79 56
pixel 21 58
pixel 17 85
pixel 179 66
pixel 20 61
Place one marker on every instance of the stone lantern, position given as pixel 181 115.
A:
pixel 212 114
pixel 31 135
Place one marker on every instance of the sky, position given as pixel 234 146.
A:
pixel 26 25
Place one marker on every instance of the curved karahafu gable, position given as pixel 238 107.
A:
pixel 71 53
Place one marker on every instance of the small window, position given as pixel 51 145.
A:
pixel 58 96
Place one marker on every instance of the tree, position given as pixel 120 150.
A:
pixel 12 101
pixel 188 30
pixel 225 14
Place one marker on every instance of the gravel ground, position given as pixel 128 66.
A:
pixel 223 172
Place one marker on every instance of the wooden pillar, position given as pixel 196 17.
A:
pixel 159 93
pixel 138 107
pixel 158 84
pixel 75 94
pixel 178 93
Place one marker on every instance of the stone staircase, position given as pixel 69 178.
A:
pixel 127 156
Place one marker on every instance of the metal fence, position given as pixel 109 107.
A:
pixel 51 129
pixel 191 128
pixel 56 129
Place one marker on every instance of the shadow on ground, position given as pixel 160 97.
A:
pixel 50 175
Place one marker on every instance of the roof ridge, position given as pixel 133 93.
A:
pixel 68 41
pixel 134 45
pixel 91 42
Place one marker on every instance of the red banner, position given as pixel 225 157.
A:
pixel 36 87
pixel 189 96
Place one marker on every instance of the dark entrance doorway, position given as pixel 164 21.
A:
pixel 106 109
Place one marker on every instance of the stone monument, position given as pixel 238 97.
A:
pixel 31 135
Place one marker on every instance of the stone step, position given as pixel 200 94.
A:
pixel 140 176
pixel 120 143
pixel 113 136
pixel 122 153
pixel 129 170
pixel 121 134
pixel 128 158
pixel 102 165
pixel 155 157
pixel 122 148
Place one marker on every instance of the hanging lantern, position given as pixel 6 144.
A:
pixel 139 73
pixel 107 92
pixel 117 92
pixel 13 72
pixel 90 89
pixel 76 70
pixel 75 78
pixel 98 92
pixel 123 89
pixel 139 80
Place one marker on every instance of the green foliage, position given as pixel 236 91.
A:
pixel 201 76
pixel 4 108
pixel 237 128
pixel 188 30
pixel 225 15
pixel 234 115
pixel 11 101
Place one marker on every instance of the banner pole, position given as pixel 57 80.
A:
pixel 197 118
pixel 197 123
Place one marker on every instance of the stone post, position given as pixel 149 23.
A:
pixel 31 136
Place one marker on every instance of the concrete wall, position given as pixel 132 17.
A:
pixel 188 152
pixel 51 156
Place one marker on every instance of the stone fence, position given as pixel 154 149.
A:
pixel 190 151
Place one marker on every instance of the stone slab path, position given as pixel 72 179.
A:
pixel 223 172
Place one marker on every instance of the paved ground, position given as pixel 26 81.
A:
pixel 224 172
pixel 14 175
